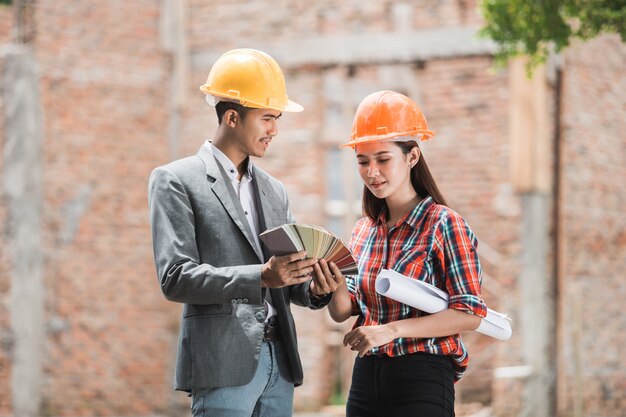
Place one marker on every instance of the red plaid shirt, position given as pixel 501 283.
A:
pixel 432 243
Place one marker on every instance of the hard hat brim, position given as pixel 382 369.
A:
pixel 291 106
pixel 420 135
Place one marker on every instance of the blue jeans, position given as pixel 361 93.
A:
pixel 269 394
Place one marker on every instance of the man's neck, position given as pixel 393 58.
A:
pixel 238 158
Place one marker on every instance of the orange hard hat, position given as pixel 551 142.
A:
pixel 387 116
pixel 251 78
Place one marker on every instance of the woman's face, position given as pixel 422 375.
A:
pixel 384 168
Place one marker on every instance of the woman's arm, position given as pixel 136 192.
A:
pixel 445 323
pixel 340 307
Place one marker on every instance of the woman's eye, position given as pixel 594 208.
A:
pixel 362 163
pixel 382 161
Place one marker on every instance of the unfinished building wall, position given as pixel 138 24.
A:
pixel 118 84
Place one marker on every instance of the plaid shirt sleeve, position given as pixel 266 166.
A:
pixel 351 284
pixel 461 266
pixel 351 281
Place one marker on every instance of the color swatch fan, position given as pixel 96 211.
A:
pixel 318 242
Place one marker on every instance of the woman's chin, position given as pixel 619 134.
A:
pixel 379 193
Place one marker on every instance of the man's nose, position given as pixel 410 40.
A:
pixel 273 129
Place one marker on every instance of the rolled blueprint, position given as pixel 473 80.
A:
pixel 428 298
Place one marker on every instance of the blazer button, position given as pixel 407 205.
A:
pixel 233 301
pixel 245 300
pixel 260 316
pixel 239 300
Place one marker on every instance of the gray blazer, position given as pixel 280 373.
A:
pixel 205 258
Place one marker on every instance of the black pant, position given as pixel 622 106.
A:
pixel 418 384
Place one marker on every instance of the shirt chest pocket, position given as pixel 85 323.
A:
pixel 418 265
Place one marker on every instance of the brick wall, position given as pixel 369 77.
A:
pixel 591 324
pixel 110 334
pixel 594 201
pixel 467 106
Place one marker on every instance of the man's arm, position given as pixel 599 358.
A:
pixel 181 275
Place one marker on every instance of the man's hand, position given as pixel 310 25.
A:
pixel 327 278
pixel 281 271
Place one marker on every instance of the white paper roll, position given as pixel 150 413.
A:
pixel 495 325
pixel 406 291
pixel 428 298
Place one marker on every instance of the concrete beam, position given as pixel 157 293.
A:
pixel 366 48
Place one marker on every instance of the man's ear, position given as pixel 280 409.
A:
pixel 231 117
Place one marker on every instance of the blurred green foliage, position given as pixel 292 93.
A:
pixel 534 27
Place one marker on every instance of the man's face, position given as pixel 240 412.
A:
pixel 255 131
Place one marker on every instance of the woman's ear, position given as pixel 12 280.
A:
pixel 414 156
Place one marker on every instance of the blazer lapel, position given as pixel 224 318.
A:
pixel 267 202
pixel 225 193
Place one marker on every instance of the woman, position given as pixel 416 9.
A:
pixel 407 360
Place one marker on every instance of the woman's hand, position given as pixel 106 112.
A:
pixel 364 338
pixel 444 323
pixel 326 278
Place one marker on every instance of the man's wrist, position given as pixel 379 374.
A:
pixel 312 292
pixel 316 297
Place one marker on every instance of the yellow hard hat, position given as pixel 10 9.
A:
pixel 250 77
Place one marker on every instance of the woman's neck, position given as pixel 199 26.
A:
pixel 400 204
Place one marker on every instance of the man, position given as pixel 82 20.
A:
pixel 237 352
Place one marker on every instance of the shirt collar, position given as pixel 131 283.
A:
pixel 413 216
pixel 227 164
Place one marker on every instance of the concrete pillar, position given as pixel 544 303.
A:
pixel 537 316
pixel 22 181
pixel 531 149
pixel 174 40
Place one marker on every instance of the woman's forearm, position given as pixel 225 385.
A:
pixel 340 306
pixel 445 323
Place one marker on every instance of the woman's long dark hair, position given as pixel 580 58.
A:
pixel 421 179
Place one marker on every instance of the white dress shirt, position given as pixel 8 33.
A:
pixel 245 191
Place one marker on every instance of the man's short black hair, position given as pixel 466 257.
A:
pixel 223 106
